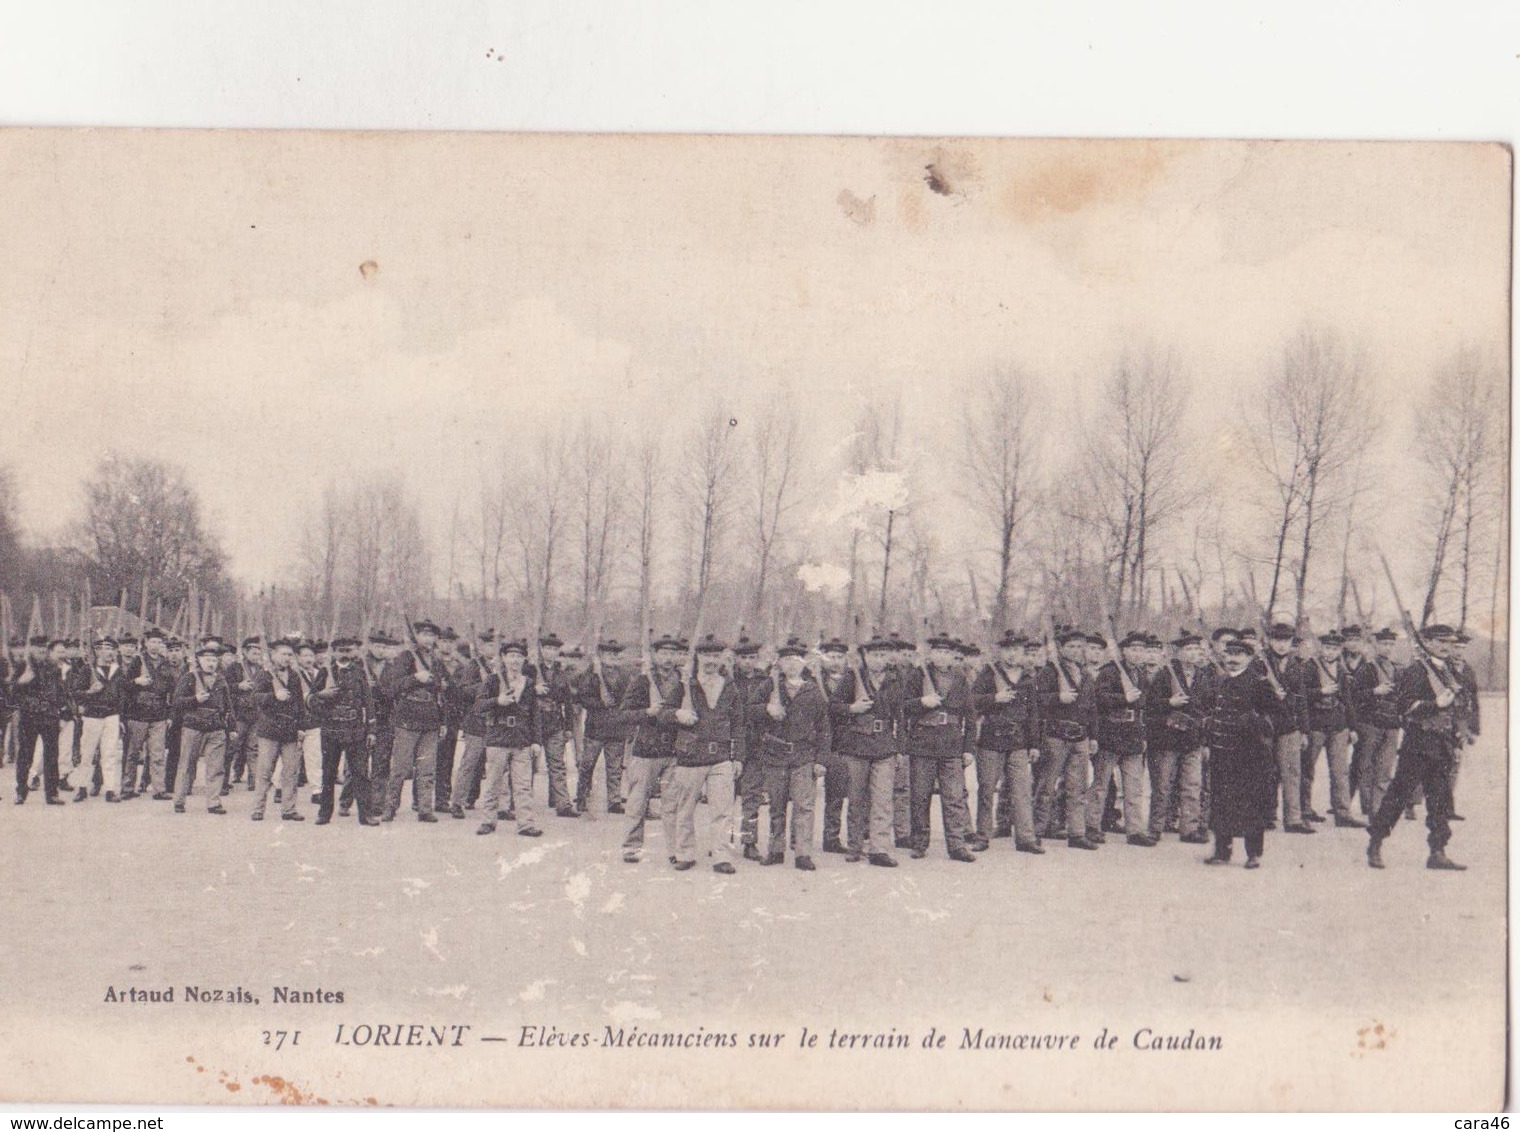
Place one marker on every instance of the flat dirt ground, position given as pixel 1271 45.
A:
pixel 1327 985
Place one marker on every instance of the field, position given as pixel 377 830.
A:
pixel 1329 985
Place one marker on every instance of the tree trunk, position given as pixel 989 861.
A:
pixel 886 567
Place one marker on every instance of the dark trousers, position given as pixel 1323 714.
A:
pixel 443 777
pixel 29 730
pixel 336 748
pixel 171 753
pixel 1424 760
pixel 241 750
pixel 1255 844
pixel 925 773
pixel 836 791
pixel 751 798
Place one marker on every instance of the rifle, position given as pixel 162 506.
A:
pixel 1260 649
pixel 332 631
pixel 5 634
pixel 1062 680
pixel 1437 682
pixel 480 660
pixel 1111 636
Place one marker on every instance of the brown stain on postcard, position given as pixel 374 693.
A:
pixel 1065 185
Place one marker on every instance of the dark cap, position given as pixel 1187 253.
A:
pixel 550 641
pixel 834 644
pixel 519 647
pixel 1237 648
pixel 792 647
pixel 710 644
pixel 345 642
pixel 746 647
pixel 1222 632
pixel 1331 638
pixel 1185 638
pixel 209 650
pixel 669 643
pixel 1281 631
pixel 609 644
pixel 424 626
pixel 1438 633
pixel 154 631
pixel 1385 635
pixel 1132 639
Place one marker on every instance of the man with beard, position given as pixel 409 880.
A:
pixel 346 722
pixel 1238 726
pixel 599 690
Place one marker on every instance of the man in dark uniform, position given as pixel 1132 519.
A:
pixel 1007 699
pixel 1324 690
pixel 1375 709
pixel 38 694
pixel 467 682
pixel 836 775
pixel 1427 693
pixel 277 695
pixel 378 648
pixel 1290 723
pixel 652 743
pixel 791 726
pixel 346 728
pixel 866 706
pixel 754 686
pixel 1176 739
pixel 710 714
pixel 556 692
pixel 415 683
pixel 150 684
pixel 1469 718
pixel 456 705
pixel 204 704
pixel 242 750
pixel 1238 711
pixel 1118 692
pixel 1065 720
pixel 599 690
pixel 937 708
pixel 902 654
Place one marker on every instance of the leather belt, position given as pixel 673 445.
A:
pixel 1128 715
pixel 939 719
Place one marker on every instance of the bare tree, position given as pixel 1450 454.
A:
pixel 650 467
pixel 772 458
pixel 1315 418
pixel 599 503
pixel 1454 438
pixel 538 499
pixel 996 467
pixel 708 483
pixel 1139 465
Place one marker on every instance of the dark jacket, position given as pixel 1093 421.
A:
pixel 942 732
pixel 149 703
pixel 714 738
pixel 278 720
pixel 464 696
pixel 1012 726
pixel 554 708
pixel 108 700
pixel 313 710
pixel 1324 690
pixel 871 734
pixel 1171 728
pixel 1071 722
pixel 514 725
pixel 347 716
pixel 753 690
pixel 415 705
pixel 1119 725
pixel 213 715
pixel 802 737
pixel 1425 721
pixel 605 721
pixel 243 706
pixel 43 698
pixel 1367 707
pixel 1291 713
pixel 652 738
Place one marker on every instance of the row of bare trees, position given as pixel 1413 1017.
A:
pixel 1167 499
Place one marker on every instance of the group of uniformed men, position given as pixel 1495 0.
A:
pixel 1063 736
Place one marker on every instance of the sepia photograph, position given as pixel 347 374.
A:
pixel 754 622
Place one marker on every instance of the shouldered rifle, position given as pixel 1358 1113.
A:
pixel 1063 681
pixel 923 660
pixel 1111 637
pixel 1437 680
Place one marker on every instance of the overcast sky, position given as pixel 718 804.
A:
pixel 199 296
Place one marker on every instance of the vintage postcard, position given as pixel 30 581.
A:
pixel 753 622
